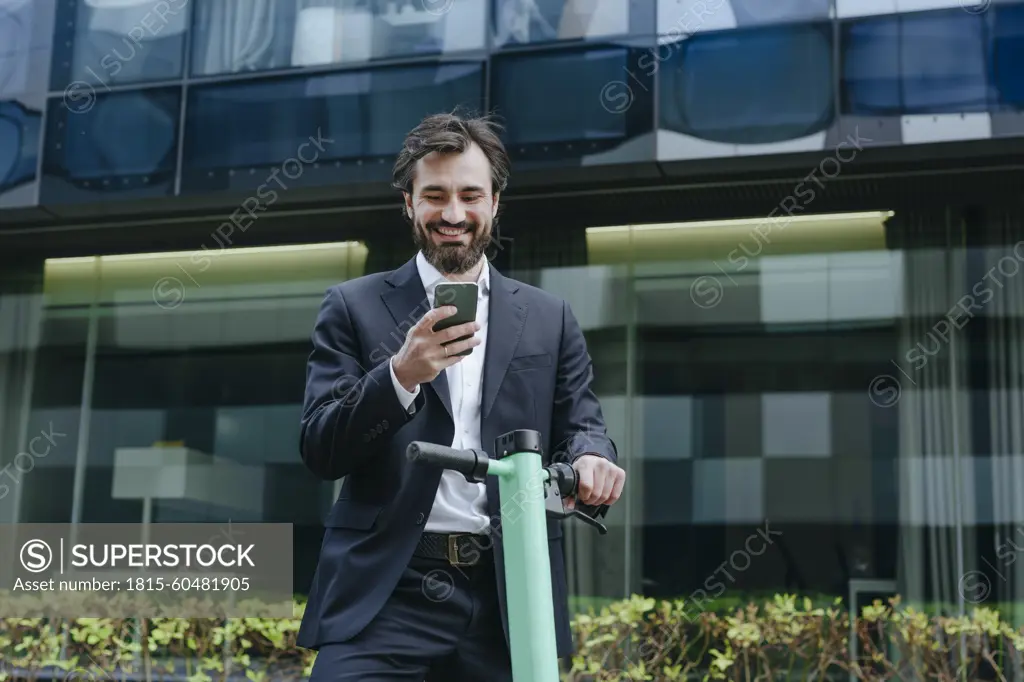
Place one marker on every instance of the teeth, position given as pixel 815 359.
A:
pixel 451 231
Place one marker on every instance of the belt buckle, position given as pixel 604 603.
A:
pixel 453 551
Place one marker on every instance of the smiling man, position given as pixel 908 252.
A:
pixel 410 584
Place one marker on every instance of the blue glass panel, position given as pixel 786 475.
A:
pixel 26 35
pixel 362 117
pixel 517 22
pixel 918 63
pixel 19 144
pixel 1008 54
pixel 566 104
pixel 125 143
pixel 758 12
pixel 233 36
pixel 749 86
pixel 108 42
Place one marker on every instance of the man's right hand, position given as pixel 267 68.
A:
pixel 422 357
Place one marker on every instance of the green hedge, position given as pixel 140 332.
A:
pixel 638 638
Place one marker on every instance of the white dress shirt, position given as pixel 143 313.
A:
pixel 460 506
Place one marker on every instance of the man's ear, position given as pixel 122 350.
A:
pixel 494 209
pixel 408 204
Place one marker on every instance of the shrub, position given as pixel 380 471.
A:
pixel 632 639
pixel 787 638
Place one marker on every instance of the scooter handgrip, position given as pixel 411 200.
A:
pixel 463 461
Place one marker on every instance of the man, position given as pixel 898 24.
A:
pixel 410 584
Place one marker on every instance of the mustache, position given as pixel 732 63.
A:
pixel 433 225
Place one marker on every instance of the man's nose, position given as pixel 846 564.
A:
pixel 453 213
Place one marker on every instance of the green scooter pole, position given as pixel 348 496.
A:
pixel 529 492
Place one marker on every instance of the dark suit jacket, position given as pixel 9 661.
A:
pixel 537 375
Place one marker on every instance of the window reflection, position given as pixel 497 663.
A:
pixel 923 63
pixel 539 21
pixel 124 143
pixel 26 30
pixel 749 412
pixel 753 12
pixel 360 116
pixel 108 42
pixel 546 116
pixel 677 18
pixel 748 86
pixel 1008 54
pixel 19 144
pixel 218 369
pixel 255 35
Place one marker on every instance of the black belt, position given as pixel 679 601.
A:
pixel 458 549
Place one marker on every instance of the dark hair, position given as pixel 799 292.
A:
pixel 448 134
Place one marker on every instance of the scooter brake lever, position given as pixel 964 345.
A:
pixel 601 528
pixel 561 484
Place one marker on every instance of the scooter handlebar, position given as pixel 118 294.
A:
pixel 471 463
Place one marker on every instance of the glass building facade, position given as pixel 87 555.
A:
pixel 826 360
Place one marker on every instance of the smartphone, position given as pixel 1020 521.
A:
pixel 462 295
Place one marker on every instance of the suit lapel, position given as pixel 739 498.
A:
pixel 406 300
pixel 505 322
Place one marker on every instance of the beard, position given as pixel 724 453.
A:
pixel 452 258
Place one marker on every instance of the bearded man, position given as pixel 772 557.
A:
pixel 410 584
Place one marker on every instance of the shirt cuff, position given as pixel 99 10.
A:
pixel 404 396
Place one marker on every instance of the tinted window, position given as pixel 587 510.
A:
pixel 539 21
pixel 19 144
pixel 248 35
pixel 125 143
pixel 107 42
pixel 929 62
pixel 748 86
pixel 678 18
pixel 751 12
pixel 570 103
pixel 359 116
pixel 26 31
pixel 1008 54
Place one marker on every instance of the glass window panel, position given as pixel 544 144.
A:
pixel 360 116
pixel 108 42
pixel 543 115
pixel 26 35
pixel 1008 54
pixel 223 373
pixel 829 496
pixel 931 62
pixel 541 21
pixel 751 12
pixel 19 145
pixel 748 86
pixel 233 36
pixel 122 144
pixel 677 18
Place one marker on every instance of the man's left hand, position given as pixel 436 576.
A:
pixel 600 481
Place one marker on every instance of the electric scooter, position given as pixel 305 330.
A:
pixel 530 493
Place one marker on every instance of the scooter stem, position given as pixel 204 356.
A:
pixel 528 499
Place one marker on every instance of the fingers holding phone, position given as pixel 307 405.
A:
pixel 457 342
pixel 443 337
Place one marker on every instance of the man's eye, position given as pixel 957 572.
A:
pixel 433 197
pixel 472 197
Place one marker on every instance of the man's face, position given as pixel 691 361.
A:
pixel 452 209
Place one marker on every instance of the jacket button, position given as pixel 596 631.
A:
pixel 420 518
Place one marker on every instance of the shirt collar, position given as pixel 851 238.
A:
pixel 430 276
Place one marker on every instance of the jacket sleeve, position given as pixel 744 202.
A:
pixel 577 421
pixel 348 411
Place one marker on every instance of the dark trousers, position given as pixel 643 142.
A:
pixel 441 624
